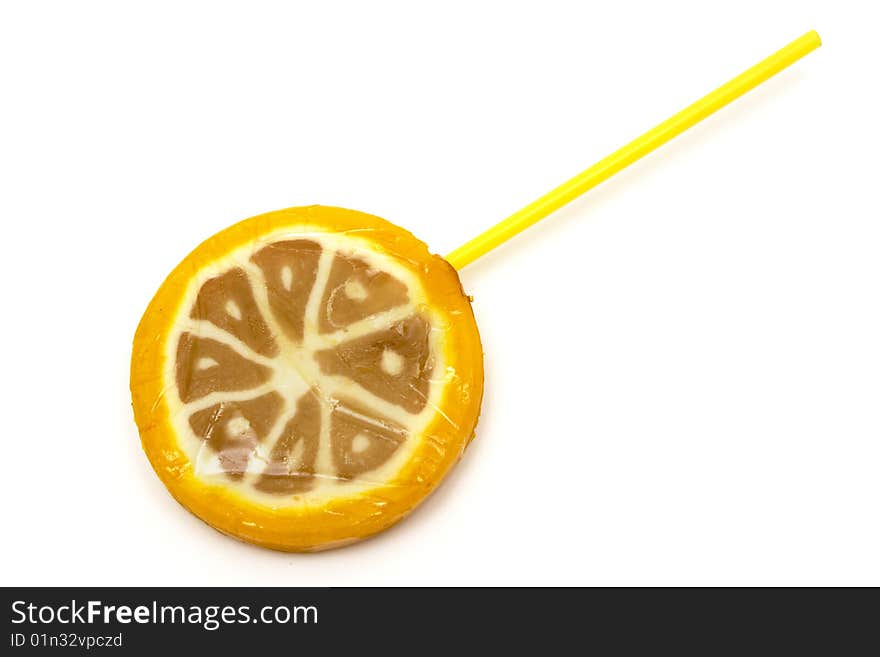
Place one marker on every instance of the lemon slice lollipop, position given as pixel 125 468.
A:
pixel 304 378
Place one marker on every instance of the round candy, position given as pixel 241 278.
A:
pixel 304 378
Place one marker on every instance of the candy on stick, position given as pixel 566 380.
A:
pixel 304 378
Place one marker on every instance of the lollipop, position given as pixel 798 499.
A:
pixel 304 378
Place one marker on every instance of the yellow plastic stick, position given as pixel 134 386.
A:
pixel 633 151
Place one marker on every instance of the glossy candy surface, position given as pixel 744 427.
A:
pixel 306 377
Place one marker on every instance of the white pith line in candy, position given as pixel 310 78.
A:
pixel 365 418
pixel 205 329
pixel 360 328
pixel 260 457
pixel 227 396
pixel 390 410
pixel 316 295
pixel 261 296
pixel 301 359
pixel 324 457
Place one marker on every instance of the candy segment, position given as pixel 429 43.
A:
pixel 289 268
pixel 291 466
pixel 355 291
pixel 393 363
pixel 227 301
pixel 233 429
pixel 361 441
pixel 205 366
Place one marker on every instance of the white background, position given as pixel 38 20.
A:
pixel 683 367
